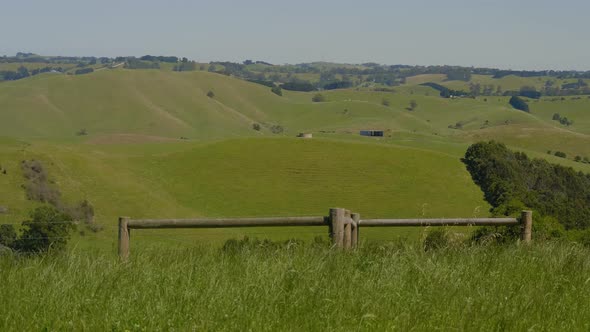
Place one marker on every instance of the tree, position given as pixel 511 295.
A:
pixel 529 92
pixel 385 102
pixel 519 104
pixel 475 89
pixel 47 229
pixel 210 94
pixel 318 97
pixel 256 126
pixel 413 105
pixel 510 179
pixel 277 90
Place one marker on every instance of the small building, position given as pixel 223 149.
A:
pixel 305 135
pixel 373 133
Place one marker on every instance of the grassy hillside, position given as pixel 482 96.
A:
pixel 248 177
pixel 134 163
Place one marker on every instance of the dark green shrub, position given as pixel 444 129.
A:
pixel 48 229
pixel 318 98
pixel 210 94
pixel 436 239
pixel 7 235
pixel 519 104
pixel 277 90
pixel 276 129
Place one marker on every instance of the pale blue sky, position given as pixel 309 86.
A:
pixel 527 34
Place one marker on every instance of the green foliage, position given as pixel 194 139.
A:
pixel 7 235
pixel 298 86
pixel 385 102
pixel 318 98
pixel 436 239
pixel 560 154
pixel 276 129
pixel 48 229
pixel 562 119
pixel 510 181
pixel 210 94
pixel 256 126
pixel 459 74
pixel 277 90
pixel 83 71
pixel 519 104
pixel 133 63
pixel 185 66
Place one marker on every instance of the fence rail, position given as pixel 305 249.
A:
pixel 439 222
pixel 343 225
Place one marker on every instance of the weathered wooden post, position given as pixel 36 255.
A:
pixel 526 226
pixel 123 238
pixel 355 230
pixel 347 230
pixel 337 217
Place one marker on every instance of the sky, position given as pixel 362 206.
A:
pixel 508 34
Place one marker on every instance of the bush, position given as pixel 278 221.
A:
pixel 37 187
pixel 210 94
pixel 256 126
pixel 385 102
pixel 7 235
pixel 82 132
pixel 436 239
pixel 83 71
pixel 318 98
pixel 277 90
pixel 276 129
pixel 519 104
pixel 298 86
pixel 547 228
pixel 560 154
pixel 48 229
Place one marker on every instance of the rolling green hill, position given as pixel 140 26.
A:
pixel 134 162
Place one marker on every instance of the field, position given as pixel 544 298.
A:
pixel 394 287
pixel 156 146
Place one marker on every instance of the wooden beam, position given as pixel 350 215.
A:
pixel 439 222
pixel 226 222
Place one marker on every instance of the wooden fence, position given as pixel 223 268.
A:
pixel 343 225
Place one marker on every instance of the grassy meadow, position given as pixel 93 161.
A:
pixel 158 147
pixel 302 288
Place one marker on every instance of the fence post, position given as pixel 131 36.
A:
pixel 355 230
pixel 337 221
pixel 123 238
pixel 347 230
pixel 526 226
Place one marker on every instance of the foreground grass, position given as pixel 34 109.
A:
pixel 394 287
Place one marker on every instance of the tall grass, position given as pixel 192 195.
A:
pixel 302 287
